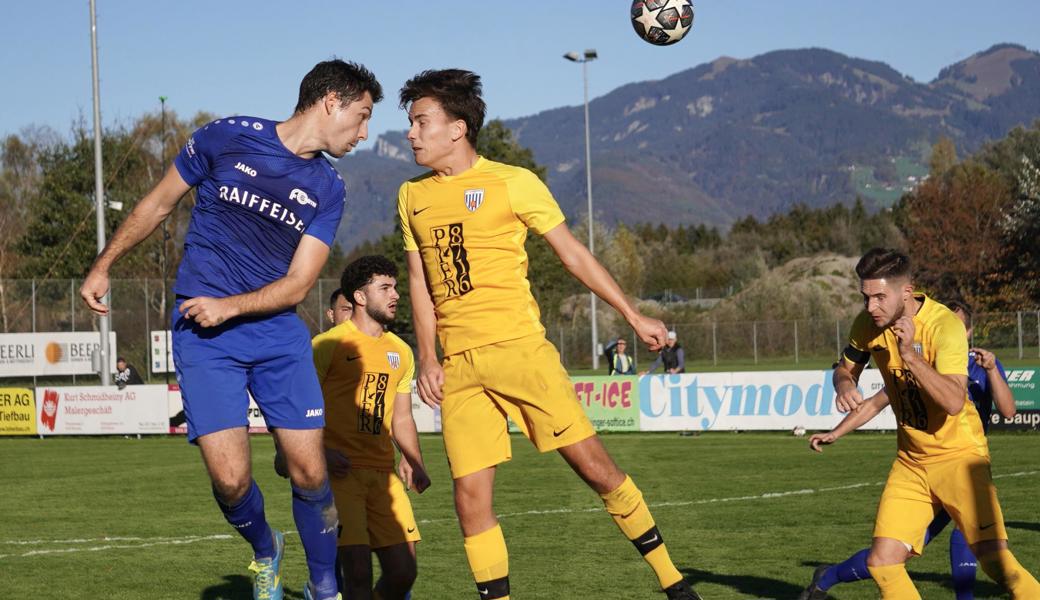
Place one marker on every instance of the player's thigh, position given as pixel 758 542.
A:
pixel 591 461
pixel 965 488
pixel 475 432
pixel 212 380
pixel 391 521
pixel 527 378
pixel 304 455
pixel 350 495
pixel 906 506
pixel 282 378
pixel 227 459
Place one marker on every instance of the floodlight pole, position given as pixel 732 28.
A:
pixel 584 59
pixel 164 256
pixel 99 195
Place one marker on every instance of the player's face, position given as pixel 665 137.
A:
pixel 381 298
pixel 340 311
pixel 349 125
pixel 885 299
pixel 432 133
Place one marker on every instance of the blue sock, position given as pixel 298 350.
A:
pixel 962 566
pixel 247 517
pixel 318 525
pixel 853 569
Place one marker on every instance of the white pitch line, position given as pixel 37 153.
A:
pixel 168 541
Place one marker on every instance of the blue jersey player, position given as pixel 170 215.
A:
pixel 268 206
pixel 987 386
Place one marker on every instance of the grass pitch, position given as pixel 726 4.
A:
pixel 744 516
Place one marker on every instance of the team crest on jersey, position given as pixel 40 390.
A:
pixel 394 358
pixel 474 198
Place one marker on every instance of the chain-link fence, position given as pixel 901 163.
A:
pixel 139 307
pixel 814 343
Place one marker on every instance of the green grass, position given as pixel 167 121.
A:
pixel 723 530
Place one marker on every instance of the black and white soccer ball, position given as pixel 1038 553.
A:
pixel 662 22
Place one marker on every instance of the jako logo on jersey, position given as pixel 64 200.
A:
pixel 474 198
pixel 314 412
pixel 190 147
pixel 394 358
pixel 262 205
pixel 246 169
pixel 301 196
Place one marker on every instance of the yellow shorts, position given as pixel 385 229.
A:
pixel 522 379
pixel 373 509
pixel 914 494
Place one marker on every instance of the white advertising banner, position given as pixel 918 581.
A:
pixel 98 410
pixel 178 423
pixel 51 353
pixel 765 400
pixel 427 420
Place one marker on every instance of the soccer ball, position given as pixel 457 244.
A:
pixel 662 22
pixel 798 431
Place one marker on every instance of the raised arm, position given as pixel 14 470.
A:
pixel 846 385
pixel 141 222
pixel 577 259
pixel 283 293
pixel 998 386
pixel 949 391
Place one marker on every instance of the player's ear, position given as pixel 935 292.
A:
pixel 330 102
pixel 458 130
pixel 359 298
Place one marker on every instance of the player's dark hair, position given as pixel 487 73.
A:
pixel 348 80
pixel 958 304
pixel 359 273
pixel 883 263
pixel 456 90
pixel 335 296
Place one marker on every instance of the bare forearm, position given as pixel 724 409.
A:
pixel 858 417
pixel 1002 396
pixel 406 436
pixel 141 222
pixel 844 379
pixel 274 297
pixel 947 393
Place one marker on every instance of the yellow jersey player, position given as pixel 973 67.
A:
pixel 943 461
pixel 464 224
pixel 366 374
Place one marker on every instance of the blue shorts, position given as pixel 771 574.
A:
pixel 269 356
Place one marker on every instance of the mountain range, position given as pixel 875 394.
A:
pixel 737 137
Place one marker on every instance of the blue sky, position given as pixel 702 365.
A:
pixel 236 57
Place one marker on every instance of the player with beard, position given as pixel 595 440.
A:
pixel 920 347
pixel 366 376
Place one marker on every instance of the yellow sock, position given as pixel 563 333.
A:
pixel 1002 567
pixel 625 504
pixel 894 582
pixel 489 562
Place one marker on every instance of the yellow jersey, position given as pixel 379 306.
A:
pixel 926 433
pixel 470 230
pixel 360 376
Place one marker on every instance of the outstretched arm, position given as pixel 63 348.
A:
pixel 859 416
pixel 577 259
pixel 141 222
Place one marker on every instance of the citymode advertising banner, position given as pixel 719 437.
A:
pixel 59 353
pixel 611 403
pixel 17 411
pixel 775 400
pixel 101 410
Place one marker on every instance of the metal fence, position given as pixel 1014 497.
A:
pixel 811 342
pixel 138 309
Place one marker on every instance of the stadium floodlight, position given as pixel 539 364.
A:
pixel 589 55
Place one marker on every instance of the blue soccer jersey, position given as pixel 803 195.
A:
pixel 979 389
pixel 256 199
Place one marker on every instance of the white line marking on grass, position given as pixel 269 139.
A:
pixel 177 541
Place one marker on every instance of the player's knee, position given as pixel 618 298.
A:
pixel 230 490
pixel 308 477
pixel 403 576
pixel 357 568
pixel 882 555
pixel 988 547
